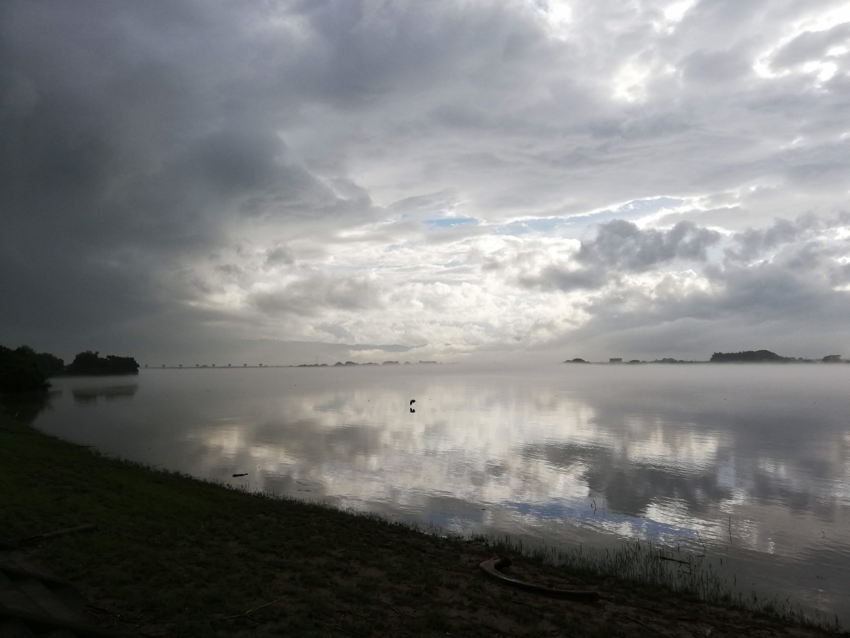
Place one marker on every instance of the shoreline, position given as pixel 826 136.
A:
pixel 182 556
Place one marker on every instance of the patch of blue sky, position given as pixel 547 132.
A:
pixel 547 224
pixel 652 205
pixel 448 222
pixel 634 209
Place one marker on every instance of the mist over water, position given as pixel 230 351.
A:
pixel 750 463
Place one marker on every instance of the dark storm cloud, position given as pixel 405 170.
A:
pixel 130 139
pixel 784 283
pixel 791 303
pixel 752 243
pixel 190 172
pixel 622 247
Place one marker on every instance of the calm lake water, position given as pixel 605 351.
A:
pixel 751 462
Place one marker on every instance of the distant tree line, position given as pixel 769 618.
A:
pixel 25 370
pixel 749 356
pixel 762 356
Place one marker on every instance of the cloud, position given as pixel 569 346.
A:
pixel 621 244
pixel 791 302
pixel 279 255
pixel 622 247
pixel 812 46
pixel 786 284
pixel 313 294
pixel 752 243
pixel 210 173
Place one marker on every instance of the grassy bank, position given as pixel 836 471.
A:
pixel 173 556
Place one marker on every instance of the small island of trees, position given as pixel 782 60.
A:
pixel 750 356
pixel 25 370
pixel 90 363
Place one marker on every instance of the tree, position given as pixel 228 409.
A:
pixel 20 372
pixel 750 356
pixel 89 363
pixel 49 364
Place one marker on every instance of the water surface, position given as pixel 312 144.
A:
pixel 749 462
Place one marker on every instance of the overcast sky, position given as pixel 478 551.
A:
pixel 210 182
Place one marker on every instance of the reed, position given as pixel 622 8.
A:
pixel 665 567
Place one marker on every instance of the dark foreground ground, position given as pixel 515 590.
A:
pixel 172 556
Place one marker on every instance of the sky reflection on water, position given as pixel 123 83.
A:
pixel 752 462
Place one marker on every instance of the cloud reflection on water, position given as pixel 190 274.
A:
pixel 761 454
pixel 518 443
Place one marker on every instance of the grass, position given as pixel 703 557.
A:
pixel 175 556
pixel 661 569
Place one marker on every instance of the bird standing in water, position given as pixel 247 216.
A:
pixel 412 401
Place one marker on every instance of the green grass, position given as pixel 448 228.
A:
pixel 175 556
pixel 657 570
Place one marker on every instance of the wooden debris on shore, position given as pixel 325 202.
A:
pixel 493 567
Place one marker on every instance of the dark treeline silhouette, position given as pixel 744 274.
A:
pixel 49 364
pixel 25 370
pixel 371 363
pixel 20 371
pixel 749 356
pixel 90 363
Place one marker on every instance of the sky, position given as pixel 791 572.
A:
pixel 207 181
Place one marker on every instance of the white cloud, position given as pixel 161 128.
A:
pixel 378 173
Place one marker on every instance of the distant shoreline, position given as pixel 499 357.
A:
pixel 594 363
pixel 745 356
pixel 300 365
pixel 668 363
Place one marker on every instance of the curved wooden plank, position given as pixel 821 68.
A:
pixel 491 568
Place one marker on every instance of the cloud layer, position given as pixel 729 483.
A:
pixel 201 179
